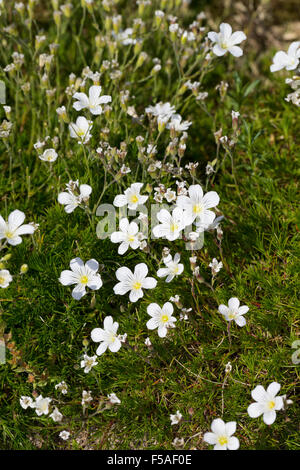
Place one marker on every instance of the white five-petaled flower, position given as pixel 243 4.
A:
pixel 113 399
pixel 196 206
pixel 71 200
pixel 162 110
pixel 93 102
pixel 131 197
pixel 107 336
pixel 88 362
pixel 64 435
pixel 26 401
pixel 161 318
pixel 225 41
pixel 5 278
pixel 215 266
pixel 62 387
pixel 177 124
pixel 127 236
pixel 49 155
pixel 176 418
pixel 287 60
pixel 83 275
pixel 56 415
pixel 134 282
pixel 86 397
pixel 81 130
pixel 234 311
pixel 267 403
pixel 221 436
pixel 42 405
pixel 13 228
pixel 171 224
pixel 173 267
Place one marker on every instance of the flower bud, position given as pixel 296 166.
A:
pixel 24 269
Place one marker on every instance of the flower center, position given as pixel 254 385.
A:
pixel 174 227
pixel 223 440
pixel 134 199
pixel 224 45
pixel 44 406
pixel 9 234
pixel 271 404
pixel 137 285
pixel 175 269
pixel 80 132
pixel 84 280
pixel 112 338
pixel 2 280
pixel 164 318
pixel 131 238
pixel 197 209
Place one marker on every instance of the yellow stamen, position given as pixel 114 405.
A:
pixel 9 234
pixel 174 227
pixel 134 199
pixel 164 318
pixel 223 440
pixel 84 280
pixel 2 280
pixel 197 209
pixel 137 285
pixel 271 404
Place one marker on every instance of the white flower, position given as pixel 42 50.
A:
pixel 42 405
pixel 86 397
pixel 81 130
pixel 64 435
pixel 127 236
pixel 49 155
pixel 56 415
pixel 13 228
pixel 88 362
pixel 93 101
pixel 234 311
pixel 26 401
pixel 161 318
pixel 170 195
pixel 177 124
pixel 171 224
pixel 5 278
pixel 196 206
pixel 114 400
pixel 266 402
pixel 221 436
pixel 215 266
pixel 173 267
pixel 175 419
pixel 162 110
pixel 62 387
pixel 83 275
pixel 133 282
pixel 71 200
pixel 131 197
pixel 107 337
pixel 289 60
pixel 225 41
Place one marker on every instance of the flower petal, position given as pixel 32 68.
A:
pixel 255 410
